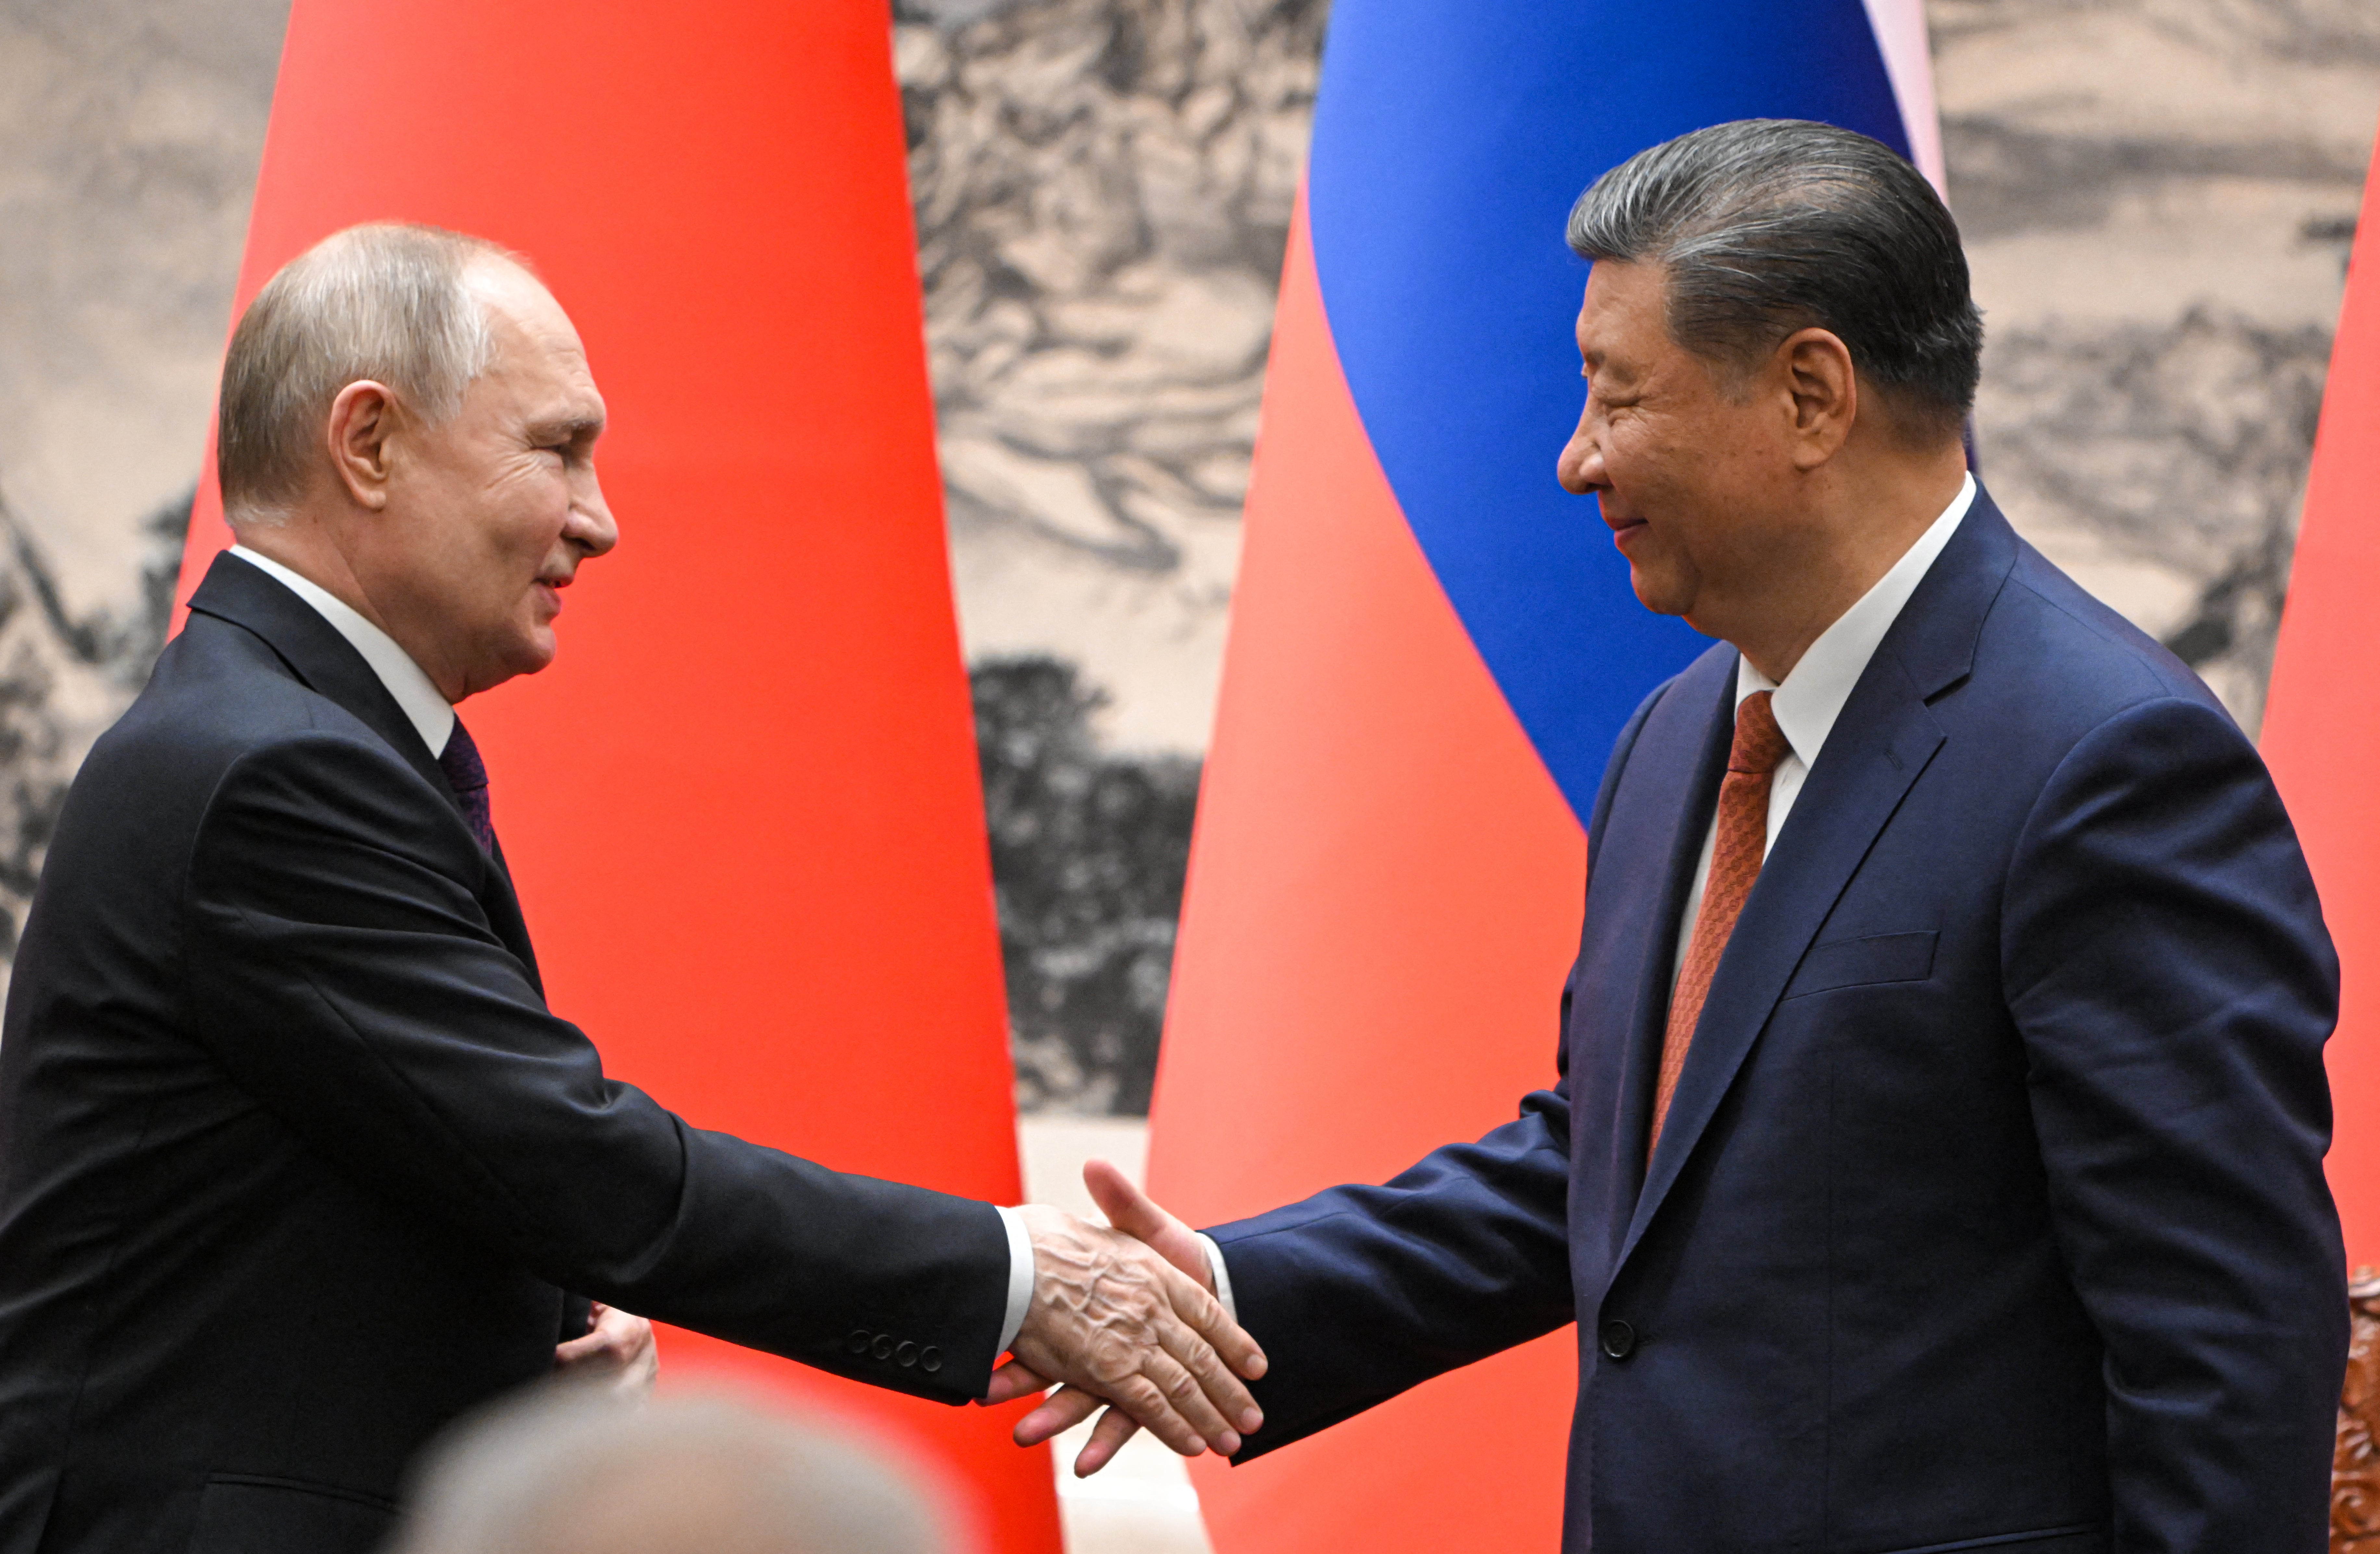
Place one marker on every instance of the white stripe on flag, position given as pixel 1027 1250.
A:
pixel 1907 58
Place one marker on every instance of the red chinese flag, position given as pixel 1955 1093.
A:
pixel 2322 733
pixel 742 807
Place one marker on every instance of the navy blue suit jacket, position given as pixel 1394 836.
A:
pixel 1990 1210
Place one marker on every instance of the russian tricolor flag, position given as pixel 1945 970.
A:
pixel 1432 649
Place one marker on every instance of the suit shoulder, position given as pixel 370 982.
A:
pixel 2076 653
pixel 217 697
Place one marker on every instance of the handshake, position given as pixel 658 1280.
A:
pixel 1126 1319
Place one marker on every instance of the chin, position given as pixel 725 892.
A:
pixel 1660 595
pixel 530 654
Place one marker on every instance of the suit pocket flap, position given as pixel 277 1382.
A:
pixel 1856 963
pixel 243 1513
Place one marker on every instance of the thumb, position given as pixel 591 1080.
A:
pixel 1136 1214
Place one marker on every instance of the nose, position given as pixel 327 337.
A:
pixel 1580 468
pixel 591 527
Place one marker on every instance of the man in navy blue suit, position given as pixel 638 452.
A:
pixel 1936 1159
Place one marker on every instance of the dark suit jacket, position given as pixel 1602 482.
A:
pixel 1990 1211
pixel 295 1164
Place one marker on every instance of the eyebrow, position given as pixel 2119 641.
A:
pixel 567 429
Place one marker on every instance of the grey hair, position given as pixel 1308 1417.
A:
pixel 1766 226
pixel 572 1469
pixel 383 302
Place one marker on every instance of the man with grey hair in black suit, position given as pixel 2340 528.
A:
pixel 296 1165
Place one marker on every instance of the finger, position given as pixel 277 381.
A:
pixel 1187 1394
pixel 582 1351
pixel 1128 1207
pixel 1062 1412
pixel 1205 1314
pixel 1214 1392
pixel 1115 1428
pixel 1134 1212
pixel 1150 1401
pixel 1013 1381
pixel 1212 1347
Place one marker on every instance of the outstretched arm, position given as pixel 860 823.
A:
pixel 1362 1291
pixel 344 974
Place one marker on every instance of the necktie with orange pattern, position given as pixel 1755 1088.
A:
pixel 1742 844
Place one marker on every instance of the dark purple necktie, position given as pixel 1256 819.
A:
pixel 468 775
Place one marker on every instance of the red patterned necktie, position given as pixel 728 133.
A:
pixel 468 775
pixel 1736 856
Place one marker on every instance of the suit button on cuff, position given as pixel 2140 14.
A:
pixel 1619 1339
pixel 883 1347
pixel 929 1359
pixel 907 1355
pixel 857 1341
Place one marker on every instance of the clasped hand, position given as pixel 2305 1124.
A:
pixel 1127 1318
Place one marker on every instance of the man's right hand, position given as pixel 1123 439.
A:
pixel 1112 1318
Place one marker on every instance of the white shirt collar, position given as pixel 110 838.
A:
pixel 430 713
pixel 1812 697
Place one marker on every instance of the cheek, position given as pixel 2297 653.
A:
pixel 535 511
pixel 1640 458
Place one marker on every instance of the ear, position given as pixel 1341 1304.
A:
pixel 1817 366
pixel 362 423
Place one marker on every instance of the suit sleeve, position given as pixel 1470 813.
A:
pixel 341 971
pixel 1360 1293
pixel 2166 961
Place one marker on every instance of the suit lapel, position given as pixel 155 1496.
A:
pixel 250 598
pixel 1879 747
pixel 1684 751
pixel 326 662
pixel 1645 842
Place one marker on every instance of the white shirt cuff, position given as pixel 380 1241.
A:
pixel 1222 1274
pixel 1020 1275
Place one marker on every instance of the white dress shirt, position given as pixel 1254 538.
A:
pixel 433 718
pixel 1806 706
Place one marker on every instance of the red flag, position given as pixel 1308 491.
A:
pixel 2322 733
pixel 742 807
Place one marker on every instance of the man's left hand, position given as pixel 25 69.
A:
pixel 617 1346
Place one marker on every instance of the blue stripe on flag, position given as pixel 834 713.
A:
pixel 1449 140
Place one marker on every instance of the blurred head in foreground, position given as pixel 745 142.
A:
pixel 569 1470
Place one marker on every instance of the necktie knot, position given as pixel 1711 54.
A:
pixel 1760 745
pixel 468 775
